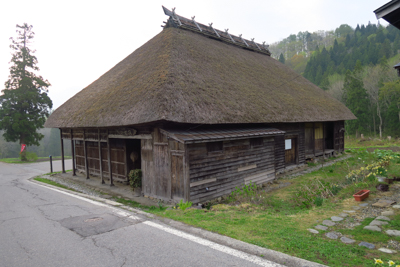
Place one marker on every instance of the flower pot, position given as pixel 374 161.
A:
pixel 137 192
pixel 382 187
pixel 361 195
pixel 380 179
pixel 396 178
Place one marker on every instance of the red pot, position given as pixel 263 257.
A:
pixel 361 195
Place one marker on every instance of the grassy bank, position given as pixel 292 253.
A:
pixel 39 159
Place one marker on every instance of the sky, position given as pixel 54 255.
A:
pixel 78 41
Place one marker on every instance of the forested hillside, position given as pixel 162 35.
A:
pixel 355 66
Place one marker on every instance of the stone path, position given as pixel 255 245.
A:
pixel 375 225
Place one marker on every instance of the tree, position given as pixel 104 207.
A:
pixel 24 104
pixel 356 100
pixel 282 59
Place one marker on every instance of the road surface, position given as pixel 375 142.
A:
pixel 40 226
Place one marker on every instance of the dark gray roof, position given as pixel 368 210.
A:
pixel 390 12
pixel 202 136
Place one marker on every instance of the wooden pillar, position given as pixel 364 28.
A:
pixel 323 139
pixel 313 133
pixel 62 152
pixel 73 155
pixel 100 159
pixel 85 154
pixel 109 160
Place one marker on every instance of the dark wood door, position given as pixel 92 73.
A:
pixel 291 151
pixel 177 176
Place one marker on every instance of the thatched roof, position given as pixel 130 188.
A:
pixel 186 77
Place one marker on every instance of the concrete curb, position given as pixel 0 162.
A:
pixel 268 254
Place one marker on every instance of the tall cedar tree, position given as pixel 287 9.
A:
pixel 24 104
pixel 357 101
pixel 281 58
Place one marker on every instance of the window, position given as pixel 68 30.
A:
pixel 214 146
pixel 288 144
pixel 255 142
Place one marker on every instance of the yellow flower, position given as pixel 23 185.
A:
pixel 378 261
pixel 391 263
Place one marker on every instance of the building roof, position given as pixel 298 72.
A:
pixel 186 77
pixel 390 12
pixel 213 135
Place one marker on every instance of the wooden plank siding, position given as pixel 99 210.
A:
pixel 222 171
pixel 118 159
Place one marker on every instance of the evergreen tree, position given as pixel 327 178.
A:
pixel 24 104
pixel 356 100
pixel 282 59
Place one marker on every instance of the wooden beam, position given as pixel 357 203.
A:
pixel 62 152
pixel 313 133
pixel 100 158
pixel 138 136
pixel 73 155
pixel 109 160
pixel 85 155
pixel 186 175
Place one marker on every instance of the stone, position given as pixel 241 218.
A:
pixel 355 208
pixel 387 213
pixel 363 205
pixel 321 227
pixel 313 231
pixel 343 215
pixel 377 223
pixel 386 250
pixel 328 223
pixel 384 218
pixel 396 206
pixel 331 235
pixel 393 232
pixel 349 211
pixel 367 245
pixel 347 240
pixel 373 228
pixel 336 218
pixel 383 203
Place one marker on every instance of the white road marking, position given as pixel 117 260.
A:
pixel 230 251
pixel 242 255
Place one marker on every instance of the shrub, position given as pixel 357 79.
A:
pixel 135 178
pixel 184 205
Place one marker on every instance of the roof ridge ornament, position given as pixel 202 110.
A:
pixel 214 29
pixel 240 35
pixel 175 17
pixel 255 43
pixel 226 31
pixel 198 27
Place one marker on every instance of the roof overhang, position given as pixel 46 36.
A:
pixel 215 135
pixel 390 12
pixel 397 67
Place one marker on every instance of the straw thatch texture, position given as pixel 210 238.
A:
pixel 182 76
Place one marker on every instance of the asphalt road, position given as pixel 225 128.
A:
pixel 44 227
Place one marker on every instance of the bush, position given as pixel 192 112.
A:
pixel 30 156
pixel 135 178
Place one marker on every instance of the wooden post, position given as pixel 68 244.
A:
pixel 109 160
pixel 323 139
pixel 62 152
pixel 313 133
pixel 86 159
pixel 73 155
pixel 186 174
pixel 100 159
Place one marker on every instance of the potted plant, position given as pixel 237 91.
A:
pixel 383 187
pixel 135 181
pixel 361 195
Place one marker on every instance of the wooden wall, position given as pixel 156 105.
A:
pixel 214 174
pixel 293 130
pixel 118 158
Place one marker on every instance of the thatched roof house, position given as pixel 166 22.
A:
pixel 194 80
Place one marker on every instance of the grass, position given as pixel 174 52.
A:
pixel 278 220
pixel 18 160
pixel 50 182
pixel 352 142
